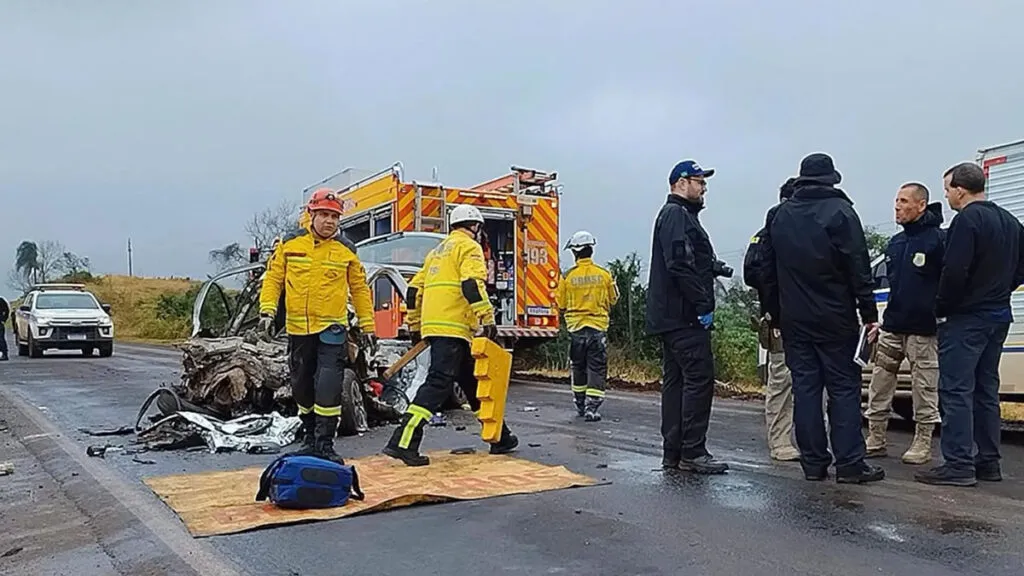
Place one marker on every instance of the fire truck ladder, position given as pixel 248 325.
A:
pixel 440 222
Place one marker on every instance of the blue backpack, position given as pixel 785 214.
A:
pixel 298 481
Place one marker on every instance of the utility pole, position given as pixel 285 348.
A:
pixel 130 257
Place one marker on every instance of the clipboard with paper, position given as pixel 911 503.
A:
pixel 865 352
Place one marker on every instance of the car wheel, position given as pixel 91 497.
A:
pixel 34 351
pixel 353 411
pixel 22 349
pixel 106 350
pixel 87 351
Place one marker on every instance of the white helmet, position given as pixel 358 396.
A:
pixel 464 213
pixel 579 240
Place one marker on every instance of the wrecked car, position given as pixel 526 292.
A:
pixel 228 372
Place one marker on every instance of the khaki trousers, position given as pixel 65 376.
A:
pixel 923 355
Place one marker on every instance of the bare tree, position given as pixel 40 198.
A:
pixel 71 264
pixel 231 255
pixel 26 261
pixel 272 222
pixel 49 254
pixel 19 280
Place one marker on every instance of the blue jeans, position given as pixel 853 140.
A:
pixel 969 351
pixel 818 367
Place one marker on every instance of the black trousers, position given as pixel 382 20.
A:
pixel 969 352
pixel 3 339
pixel 451 361
pixel 687 388
pixel 588 355
pixel 818 367
pixel 317 369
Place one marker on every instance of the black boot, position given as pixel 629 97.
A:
pixel 590 412
pixel 507 443
pixel 580 400
pixel 306 434
pixel 410 454
pixel 326 428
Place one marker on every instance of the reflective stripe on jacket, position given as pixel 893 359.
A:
pixel 317 277
pixel 586 296
pixel 447 297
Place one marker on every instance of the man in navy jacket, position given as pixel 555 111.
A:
pixel 913 262
pixel 984 264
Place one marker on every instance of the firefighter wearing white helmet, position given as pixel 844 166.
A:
pixel 447 304
pixel 585 296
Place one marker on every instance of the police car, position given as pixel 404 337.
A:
pixel 62 317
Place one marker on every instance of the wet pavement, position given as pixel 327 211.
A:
pixel 761 518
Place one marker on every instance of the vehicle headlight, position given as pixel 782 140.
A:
pixel 105 322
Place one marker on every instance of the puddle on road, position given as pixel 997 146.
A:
pixel 946 525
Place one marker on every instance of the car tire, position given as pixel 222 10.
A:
pixel 106 350
pixel 34 351
pixel 22 349
pixel 353 411
pixel 87 351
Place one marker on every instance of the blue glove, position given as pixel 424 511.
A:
pixel 706 319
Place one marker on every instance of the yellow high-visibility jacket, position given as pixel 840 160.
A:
pixel 447 297
pixel 317 276
pixel 586 296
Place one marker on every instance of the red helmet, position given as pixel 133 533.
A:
pixel 324 199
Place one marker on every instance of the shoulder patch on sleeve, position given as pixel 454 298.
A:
pixel 294 233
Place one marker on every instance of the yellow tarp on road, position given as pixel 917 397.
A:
pixel 215 503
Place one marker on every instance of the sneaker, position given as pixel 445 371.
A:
pixel 703 465
pixel 867 473
pixel 945 476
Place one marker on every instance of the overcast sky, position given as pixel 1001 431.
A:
pixel 173 122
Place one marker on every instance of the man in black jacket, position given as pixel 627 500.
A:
pixel 913 262
pixel 680 307
pixel 817 277
pixel 984 264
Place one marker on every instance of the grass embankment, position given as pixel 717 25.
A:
pixel 140 306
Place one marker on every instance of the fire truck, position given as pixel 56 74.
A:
pixel 396 222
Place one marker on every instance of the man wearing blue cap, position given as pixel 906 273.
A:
pixel 680 308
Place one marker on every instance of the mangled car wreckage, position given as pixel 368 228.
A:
pixel 229 373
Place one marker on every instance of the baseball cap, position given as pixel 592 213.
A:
pixel 688 169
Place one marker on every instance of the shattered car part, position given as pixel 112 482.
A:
pixel 254 433
pixel 228 372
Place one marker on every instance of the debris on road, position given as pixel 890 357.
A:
pixel 11 552
pixel 232 376
pixel 138 460
pixel 101 451
pixel 253 433
pixel 530 408
pixel 123 430
pixel 6 468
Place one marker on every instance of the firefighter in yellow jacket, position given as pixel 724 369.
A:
pixel 585 296
pixel 447 304
pixel 317 270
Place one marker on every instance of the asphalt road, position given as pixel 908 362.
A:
pixel 761 518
